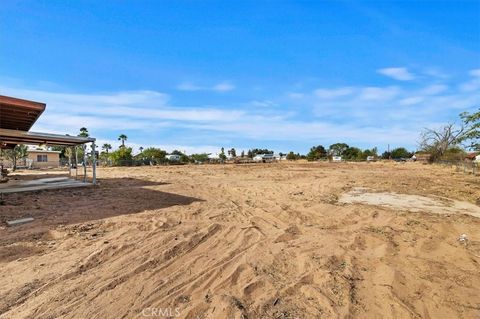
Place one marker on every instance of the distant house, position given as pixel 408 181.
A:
pixel 173 157
pixel 336 158
pixel 472 157
pixel 40 158
pixel 212 156
pixel 264 158
pixel 423 157
pixel 37 158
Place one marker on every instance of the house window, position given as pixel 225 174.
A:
pixel 42 158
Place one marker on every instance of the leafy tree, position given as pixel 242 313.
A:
pixel 64 151
pixel 122 156
pixel 203 157
pixel 122 138
pixel 291 156
pixel 183 158
pixel 153 153
pixel 316 153
pixel 233 152
pixel 472 132
pixel 18 152
pixel 366 153
pixel 454 153
pixel 242 155
pixel 352 153
pixel 222 154
pixel 69 152
pixel 84 132
pixel 250 154
pixel 106 147
pixel 400 152
pixel 337 149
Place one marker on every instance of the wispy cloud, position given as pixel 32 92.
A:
pixel 434 89
pixel 187 86
pixel 360 115
pixel 400 74
pixel 219 87
pixel 333 93
pixel 474 83
pixel 262 103
pixel 223 87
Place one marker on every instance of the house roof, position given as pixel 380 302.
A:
pixel 44 151
pixel 471 155
pixel 19 114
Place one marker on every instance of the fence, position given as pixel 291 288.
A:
pixel 138 162
pixel 467 167
pixel 26 163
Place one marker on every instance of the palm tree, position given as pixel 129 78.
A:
pixel 84 132
pixel 106 147
pixel 122 138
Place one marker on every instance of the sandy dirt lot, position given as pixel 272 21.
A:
pixel 284 240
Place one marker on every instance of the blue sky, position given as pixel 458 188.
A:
pixel 285 75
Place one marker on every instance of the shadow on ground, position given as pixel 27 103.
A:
pixel 51 208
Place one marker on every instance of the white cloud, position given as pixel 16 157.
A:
pixel 223 87
pixel 379 93
pixel 435 73
pixel 400 74
pixel 474 83
pixel 333 93
pixel 219 87
pixel 187 86
pixel 295 95
pixel 262 103
pixel 475 72
pixel 411 100
pixel 434 89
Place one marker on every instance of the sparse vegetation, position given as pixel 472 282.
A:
pixel 17 153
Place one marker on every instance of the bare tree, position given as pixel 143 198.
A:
pixel 437 142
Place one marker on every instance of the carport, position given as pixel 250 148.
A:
pixel 17 116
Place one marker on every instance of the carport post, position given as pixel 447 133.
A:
pixel 85 155
pixel 76 162
pixel 69 162
pixel 94 164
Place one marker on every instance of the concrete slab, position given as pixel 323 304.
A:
pixel 16 186
pixel 21 221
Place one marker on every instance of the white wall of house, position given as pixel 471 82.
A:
pixel 36 159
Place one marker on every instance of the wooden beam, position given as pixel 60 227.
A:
pixel 24 111
pixel 8 100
